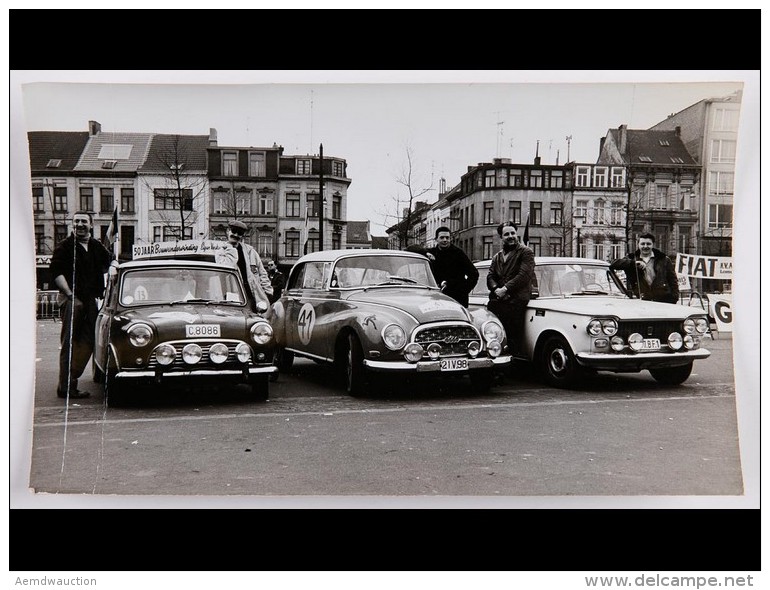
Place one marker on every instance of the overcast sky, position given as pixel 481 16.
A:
pixel 449 121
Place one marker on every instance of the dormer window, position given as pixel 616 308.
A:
pixel 663 142
pixel 677 160
pixel 53 164
pixel 109 164
pixel 645 159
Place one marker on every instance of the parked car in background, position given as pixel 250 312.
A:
pixel 172 320
pixel 369 311
pixel 581 319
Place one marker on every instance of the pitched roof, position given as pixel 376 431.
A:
pixel 126 150
pixel 358 231
pixel 166 150
pixel 380 242
pixel 66 146
pixel 661 147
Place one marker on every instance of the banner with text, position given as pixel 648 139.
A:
pixel 721 309
pixel 177 249
pixel 704 267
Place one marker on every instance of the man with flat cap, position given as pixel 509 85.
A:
pixel 242 256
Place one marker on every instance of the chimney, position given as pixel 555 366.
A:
pixel 623 138
pixel 678 130
pixel 94 127
pixel 601 144
pixel 537 153
pixel 212 137
pixel 441 186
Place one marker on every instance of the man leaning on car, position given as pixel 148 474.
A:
pixel 650 274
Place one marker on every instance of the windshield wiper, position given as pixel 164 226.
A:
pixel 590 293
pixel 191 300
pixel 398 278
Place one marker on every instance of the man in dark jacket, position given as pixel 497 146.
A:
pixel 510 281
pixel 453 270
pixel 650 274
pixel 78 265
pixel 277 280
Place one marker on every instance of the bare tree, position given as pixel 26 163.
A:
pixel 412 188
pixel 184 181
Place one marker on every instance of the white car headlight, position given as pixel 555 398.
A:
pixel 492 330
pixel 609 326
pixel 261 332
pixel 218 353
pixel 689 326
pixel 701 325
pixel 594 327
pixel 139 335
pixel 394 336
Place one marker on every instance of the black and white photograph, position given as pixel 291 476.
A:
pixel 495 291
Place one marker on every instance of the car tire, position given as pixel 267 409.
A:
pixel 283 359
pixel 260 387
pixel 672 375
pixel 114 389
pixel 481 379
pixel 557 363
pixel 353 370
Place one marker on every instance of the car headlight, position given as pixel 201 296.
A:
pixel 609 326
pixel 243 352
pixel 594 327
pixel 675 341
pixel 218 353
pixel 636 341
pixel 689 326
pixel 492 330
pixel 165 354
pixel 413 352
pixel 701 325
pixel 691 342
pixel 261 332
pixel 617 344
pixel 139 335
pixel 394 336
pixel 494 348
pixel 192 353
pixel 474 348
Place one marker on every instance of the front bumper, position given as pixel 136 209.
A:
pixel 602 361
pixel 246 371
pixel 431 366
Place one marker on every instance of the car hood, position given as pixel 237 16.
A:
pixel 425 305
pixel 621 308
pixel 170 320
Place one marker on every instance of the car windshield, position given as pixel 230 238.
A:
pixel 561 280
pixel 368 271
pixel 178 285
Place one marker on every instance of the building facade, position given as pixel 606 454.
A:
pixel 662 182
pixel 534 195
pixel 709 130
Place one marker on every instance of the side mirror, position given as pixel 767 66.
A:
pixel 261 306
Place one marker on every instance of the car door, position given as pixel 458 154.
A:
pixel 103 322
pixel 305 303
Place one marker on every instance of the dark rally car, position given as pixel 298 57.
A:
pixel 164 321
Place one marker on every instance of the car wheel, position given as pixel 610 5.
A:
pixel 672 375
pixel 354 372
pixel 283 359
pixel 481 379
pixel 260 387
pixel 114 390
pixel 557 362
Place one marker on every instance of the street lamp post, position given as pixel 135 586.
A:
pixel 578 224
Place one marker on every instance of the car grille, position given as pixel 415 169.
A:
pixel 205 362
pixel 649 329
pixel 453 339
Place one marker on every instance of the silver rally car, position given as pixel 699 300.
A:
pixel 367 311
pixel 582 319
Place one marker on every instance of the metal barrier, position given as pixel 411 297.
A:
pixel 47 307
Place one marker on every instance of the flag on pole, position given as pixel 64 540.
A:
pixel 112 237
pixel 307 232
pixel 525 238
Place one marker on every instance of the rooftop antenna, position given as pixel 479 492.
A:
pixel 311 119
pixel 550 141
pixel 569 140
pixel 499 135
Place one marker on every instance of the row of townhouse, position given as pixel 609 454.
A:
pixel 171 187
pixel 674 180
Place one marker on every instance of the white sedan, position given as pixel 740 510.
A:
pixel 581 319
